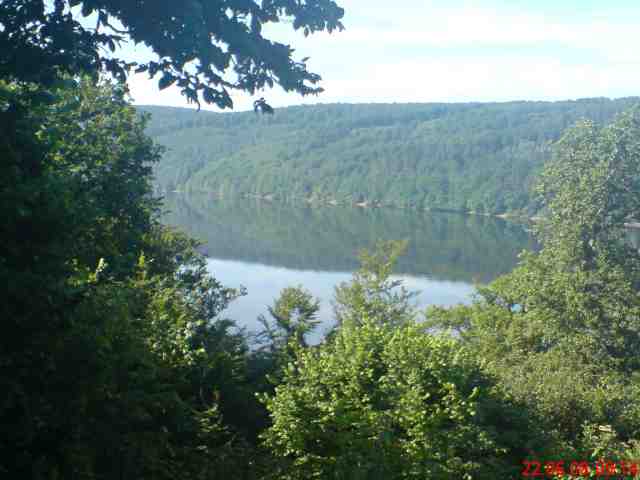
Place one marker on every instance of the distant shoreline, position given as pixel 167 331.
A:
pixel 514 217
pixel 269 198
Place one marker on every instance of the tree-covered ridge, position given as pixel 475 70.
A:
pixel 116 359
pixel 557 339
pixel 466 157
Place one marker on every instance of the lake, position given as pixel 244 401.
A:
pixel 266 247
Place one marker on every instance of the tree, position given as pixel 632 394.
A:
pixel 584 283
pixel 562 331
pixel 460 155
pixel 379 402
pixel 380 398
pixel 205 48
pixel 294 316
pixel 114 360
pixel 372 293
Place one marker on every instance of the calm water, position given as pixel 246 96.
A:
pixel 267 247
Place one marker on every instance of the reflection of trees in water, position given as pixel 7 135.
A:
pixel 634 237
pixel 442 246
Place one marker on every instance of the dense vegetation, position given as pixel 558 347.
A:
pixel 116 360
pixel 557 341
pixel 464 157
pixel 561 331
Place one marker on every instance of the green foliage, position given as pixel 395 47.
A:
pixel 464 157
pixel 98 143
pixel 562 330
pixel 114 360
pixel 382 402
pixel 371 293
pixel 585 280
pixel 593 182
pixel 196 44
pixel 294 316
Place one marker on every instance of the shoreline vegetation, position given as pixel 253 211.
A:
pixel 332 202
pixel 469 157
pixel 119 357
pixel 510 216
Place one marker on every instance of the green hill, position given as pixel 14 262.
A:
pixel 467 156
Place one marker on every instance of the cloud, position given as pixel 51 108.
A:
pixel 425 53
pixel 477 28
pixel 486 79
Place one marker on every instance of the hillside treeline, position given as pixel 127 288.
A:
pixel 479 157
pixel 117 359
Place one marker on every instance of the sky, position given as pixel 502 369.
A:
pixel 458 51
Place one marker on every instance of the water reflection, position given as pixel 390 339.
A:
pixel 634 237
pixel 441 246
pixel 267 247
pixel 264 282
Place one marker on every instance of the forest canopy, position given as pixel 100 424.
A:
pixel 117 360
pixel 205 48
pixel 480 157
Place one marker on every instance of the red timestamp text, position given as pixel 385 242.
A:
pixel 580 469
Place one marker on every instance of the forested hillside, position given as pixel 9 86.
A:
pixel 467 157
pixel 117 358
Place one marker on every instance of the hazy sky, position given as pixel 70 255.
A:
pixel 455 50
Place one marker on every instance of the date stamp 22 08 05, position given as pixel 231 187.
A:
pixel 580 469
